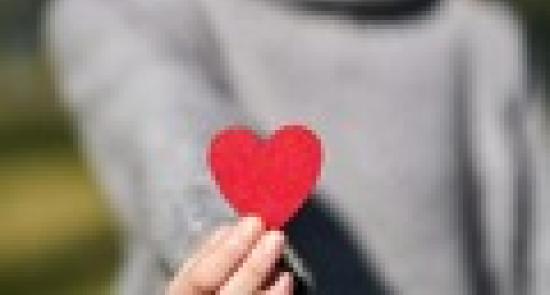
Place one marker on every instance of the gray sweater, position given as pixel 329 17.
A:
pixel 422 117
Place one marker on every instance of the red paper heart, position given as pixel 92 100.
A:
pixel 268 178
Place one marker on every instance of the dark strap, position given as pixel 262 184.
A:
pixel 329 253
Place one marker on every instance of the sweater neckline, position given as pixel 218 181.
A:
pixel 367 11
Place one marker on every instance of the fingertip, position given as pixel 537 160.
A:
pixel 283 286
pixel 275 239
pixel 247 231
pixel 251 222
pixel 287 283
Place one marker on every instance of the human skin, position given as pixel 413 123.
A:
pixel 235 259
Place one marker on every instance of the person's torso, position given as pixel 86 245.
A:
pixel 381 97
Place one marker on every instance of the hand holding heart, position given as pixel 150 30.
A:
pixel 270 179
pixel 235 260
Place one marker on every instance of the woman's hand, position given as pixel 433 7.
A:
pixel 235 260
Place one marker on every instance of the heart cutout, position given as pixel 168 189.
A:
pixel 270 178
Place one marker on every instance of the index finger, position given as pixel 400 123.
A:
pixel 207 246
pixel 208 274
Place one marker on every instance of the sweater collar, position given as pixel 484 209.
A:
pixel 366 10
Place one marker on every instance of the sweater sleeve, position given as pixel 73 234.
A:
pixel 146 101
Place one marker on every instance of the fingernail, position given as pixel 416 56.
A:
pixel 251 223
pixel 287 283
pixel 245 230
pixel 283 285
pixel 272 241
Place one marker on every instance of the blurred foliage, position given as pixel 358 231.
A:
pixel 56 236
pixel 19 23
pixel 55 232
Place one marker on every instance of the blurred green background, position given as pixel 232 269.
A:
pixel 56 234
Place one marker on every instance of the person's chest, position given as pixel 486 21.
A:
pixel 381 97
pixel 383 100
